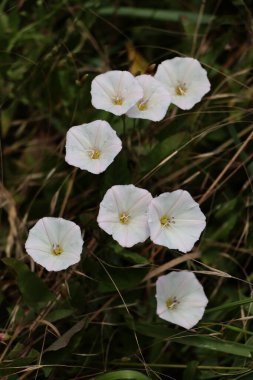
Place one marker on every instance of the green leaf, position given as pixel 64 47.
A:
pixel 191 371
pixel 123 375
pixel 65 338
pixel 34 291
pixel 247 376
pixel 155 14
pixel 58 314
pixel 123 278
pixel 162 150
pixel 134 258
pixel 229 305
pixel 216 344
pixel 191 339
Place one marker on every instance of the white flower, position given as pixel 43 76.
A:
pixel 115 91
pixel 185 79
pixel 123 214
pixel 155 101
pixel 55 243
pixel 92 146
pixel 180 299
pixel 175 220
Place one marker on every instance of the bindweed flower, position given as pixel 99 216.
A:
pixel 180 299
pixel 155 101
pixel 175 220
pixel 55 243
pixel 185 79
pixel 115 91
pixel 123 214
pixel 92 146
pixel 4 337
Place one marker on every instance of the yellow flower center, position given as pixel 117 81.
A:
pixel 166 221
pixel 142 105
pixel 56 249
pixel 171 303
pixel 181 89
pixel 124 218
pixel 94 154
pixel 117 100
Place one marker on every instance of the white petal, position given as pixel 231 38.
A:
pixel 83 139
pixel 187 71
pixel 49 232
pixel 189 317
pixel 107 87
pixel 129 235
pixel 184 282
pixel 185 102
pixel 132 201
pixel 48 229
pixel 184 285
pixel 155 98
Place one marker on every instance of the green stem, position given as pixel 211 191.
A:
pixel 124 126
pixel 158 365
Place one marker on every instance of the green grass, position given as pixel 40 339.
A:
pixel 97 319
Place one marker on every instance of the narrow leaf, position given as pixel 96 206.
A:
pixel 123 375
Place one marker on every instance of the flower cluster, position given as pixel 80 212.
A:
pixel 128 213
pixel 131 215
pixel 180 81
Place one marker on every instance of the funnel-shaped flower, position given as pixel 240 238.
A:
pixel 180 299
pixel 185 79
pixel 92 146
pixel 55 243
pixel 123 214
pixel 115 91
pixel 155 101
pixel 175 220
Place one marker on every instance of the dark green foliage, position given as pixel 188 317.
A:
pixel 97 320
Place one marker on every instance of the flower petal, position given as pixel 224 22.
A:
pixel 155 101
pixel 115 91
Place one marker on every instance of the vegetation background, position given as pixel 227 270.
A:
pixel 99 316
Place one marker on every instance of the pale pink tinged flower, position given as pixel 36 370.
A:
pixel 155 101
pixel 55 243
pixel 92 146
pixel 185 79
pixel 180 299
pixel 175 220
pixel 115 91
pixel 2 337
pixel 123 214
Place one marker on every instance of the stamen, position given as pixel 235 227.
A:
pixel 56 249
pixel 124 218
pixel 181 89
pixel 117 100
pixel 171 303
pixel 166 220
pixel 94 154
pixel 142 105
